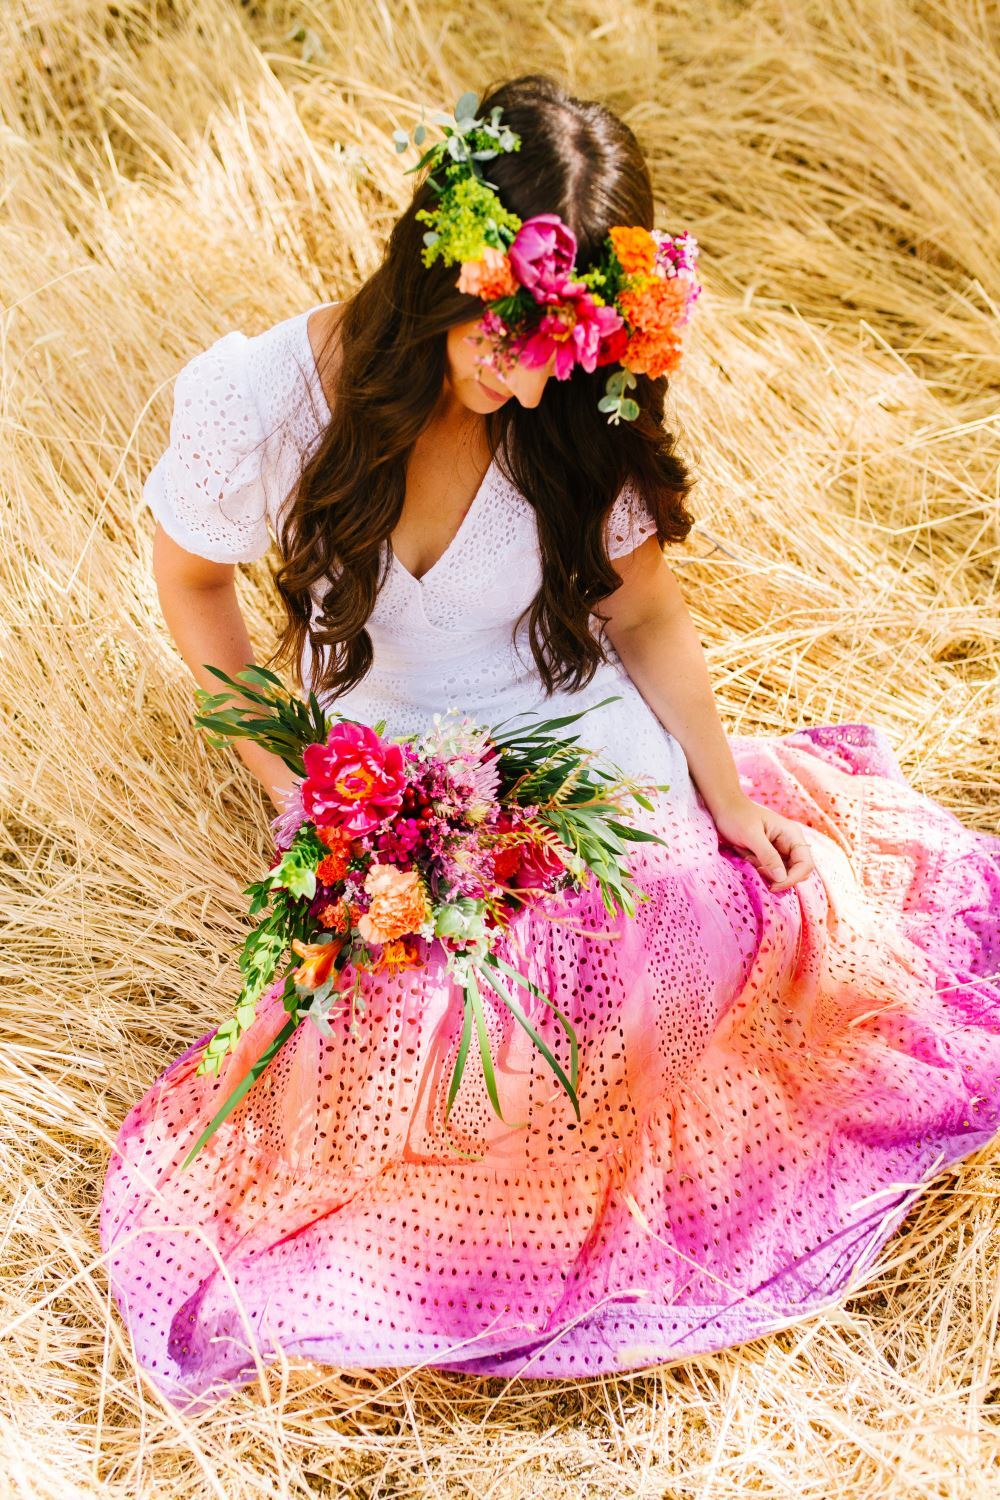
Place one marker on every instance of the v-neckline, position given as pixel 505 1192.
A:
pixel 473 504
pixel 462 527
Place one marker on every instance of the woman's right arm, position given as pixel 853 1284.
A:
pixel 202 613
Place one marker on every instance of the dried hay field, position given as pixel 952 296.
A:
pixel 175 168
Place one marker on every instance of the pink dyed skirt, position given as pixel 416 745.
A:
pixel 767 1080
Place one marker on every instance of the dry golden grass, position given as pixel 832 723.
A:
pixel 171 170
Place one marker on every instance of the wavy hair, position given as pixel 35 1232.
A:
pixel 577 159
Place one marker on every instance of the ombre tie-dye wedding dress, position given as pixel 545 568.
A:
pixel 767 1078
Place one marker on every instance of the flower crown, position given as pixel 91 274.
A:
pixel 628 308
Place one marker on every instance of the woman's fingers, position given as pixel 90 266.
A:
pixel 766 857
pixel 790 839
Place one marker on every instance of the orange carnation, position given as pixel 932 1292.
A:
pixel 657 305
pixel 335 915
pixel 651 354
pixel 489 277
pixel 333 867
pixel 399 904
pixel 634 247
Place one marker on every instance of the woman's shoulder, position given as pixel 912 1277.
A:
pixel 246 410
pixel 629 521
pixel 283 369
pixel 266 374
pixel 322 325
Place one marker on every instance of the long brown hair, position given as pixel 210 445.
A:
pixel 577 159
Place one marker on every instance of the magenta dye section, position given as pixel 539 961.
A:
pixel 768 1079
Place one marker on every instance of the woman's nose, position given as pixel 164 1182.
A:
pixel 528 385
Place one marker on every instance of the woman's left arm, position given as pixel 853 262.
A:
pixel 649 626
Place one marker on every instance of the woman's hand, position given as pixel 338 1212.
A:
pixel 778 846
pixel 276 779
pixel 198 599
pixel 280 787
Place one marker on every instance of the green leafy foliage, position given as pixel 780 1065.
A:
pixel 273 717
pixel 289 888
pixel 469 213
pixel 468 216
pixel 620 406
pixel 579 800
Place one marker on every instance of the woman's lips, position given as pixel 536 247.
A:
pixel 497 395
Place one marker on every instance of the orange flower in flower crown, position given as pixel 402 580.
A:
pixel 657 305
pixel 655 311
pixel 489 277
pixel 634 247
pixel 652 354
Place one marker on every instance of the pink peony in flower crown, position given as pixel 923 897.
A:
pixel 627 309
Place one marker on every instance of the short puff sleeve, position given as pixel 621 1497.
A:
pixel 207 489
pixel 629 522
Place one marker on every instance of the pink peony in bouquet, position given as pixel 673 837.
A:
pixel 387 847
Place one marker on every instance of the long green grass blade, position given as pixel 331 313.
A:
pixel 637 835
pixel 517 1012
pixel 545 725
pixel 484 1050
pixel 243 1088
pixel 564 1021
pixel 463 1049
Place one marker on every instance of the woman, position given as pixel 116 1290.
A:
pixel 777 1051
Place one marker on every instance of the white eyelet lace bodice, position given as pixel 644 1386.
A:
pixel 247 411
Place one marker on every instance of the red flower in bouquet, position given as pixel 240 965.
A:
pixel 507 856
pixel 525 863
pixel 354 780
pixel 539 868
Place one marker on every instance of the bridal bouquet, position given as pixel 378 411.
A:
pixel 389 848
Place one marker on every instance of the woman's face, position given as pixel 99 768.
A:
pixel 465 349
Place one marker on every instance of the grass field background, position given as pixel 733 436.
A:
pixel 170 171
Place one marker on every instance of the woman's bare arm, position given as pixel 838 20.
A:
pixel 199 604
pixel 650 628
